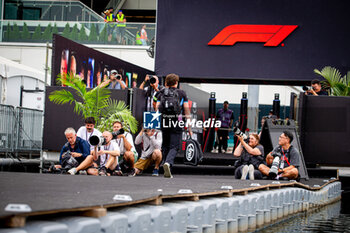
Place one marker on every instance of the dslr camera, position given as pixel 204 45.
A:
pixel 97 140
pixel 117 133
pixel 305 88
pixel 152 79
pixel 238 132
pixel 118 76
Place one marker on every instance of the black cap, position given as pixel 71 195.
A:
pixel 225 102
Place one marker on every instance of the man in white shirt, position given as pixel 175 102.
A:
pixel 127 148
pixel 103 160
pixel 151 140
pixel 85 132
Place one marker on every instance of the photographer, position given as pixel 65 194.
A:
pixel 76 147
pixel 115 81
pixel 316 88
pixel 284 159
pixel 85 132
pixel 151 91
pixel 102 160
pixel 127 149
pixel 251 156
pixel 151 140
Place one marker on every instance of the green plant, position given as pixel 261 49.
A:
pixel 82 35
pixel 74 33
pixel 340 86
pixel 93 33
pixel 25 32
pixel 47 35
pixel 54 30
pixel 66 31
pixel 37 33
pixel 103 35
pixel 95 102
pixel 15 34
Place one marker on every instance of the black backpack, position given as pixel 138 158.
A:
pixel 170 102
pixel 193 154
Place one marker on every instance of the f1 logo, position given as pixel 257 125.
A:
pixel 272 35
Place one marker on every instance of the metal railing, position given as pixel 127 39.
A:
pixel 20 129
pixel 81 32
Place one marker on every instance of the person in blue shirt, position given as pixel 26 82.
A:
pixel 115 81
pixel 78 147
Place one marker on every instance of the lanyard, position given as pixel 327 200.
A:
pixel 285 158
pixel 86 134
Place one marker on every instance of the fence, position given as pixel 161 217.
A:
pixel 20 130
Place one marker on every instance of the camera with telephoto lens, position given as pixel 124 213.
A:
pixel 305 88
pixel 118 77
pixel 276 153
pixel 238 132
pixel 97 140
pixel 117 133
pixel 68 161
pixel 152 79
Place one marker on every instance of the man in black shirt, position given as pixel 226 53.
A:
pixel 171 102
pixel 316 88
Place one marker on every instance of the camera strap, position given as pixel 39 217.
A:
pixel 285 158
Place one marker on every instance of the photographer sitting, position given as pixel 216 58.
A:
pixel 251 156
pixel 284 159
pixel 151 140
pixel 101 161
pixel 76 148
pixel 151 91
pixel 316 88
pixel 127 148
pixel 115 81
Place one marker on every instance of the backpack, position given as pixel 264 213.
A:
pixel 170 102
pixel 193 153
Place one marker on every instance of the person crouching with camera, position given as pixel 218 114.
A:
pixel 115 81
pixel 151 140
pixel 103 159
pixel 74 151
pixel 284 159
pixel 127 149
pixel 251 155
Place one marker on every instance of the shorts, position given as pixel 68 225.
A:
pixel 143 164
pixel 122 156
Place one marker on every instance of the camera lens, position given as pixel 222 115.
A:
pixel 152 80
pixel 305 88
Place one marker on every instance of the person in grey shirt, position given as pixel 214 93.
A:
pixel 284 159
pixel 151 140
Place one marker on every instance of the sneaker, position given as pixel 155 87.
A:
pixel 251 172
pixel 155 172
pixel 274 168
pixel 215 151
pixel 132 172
pixel 102 171
pixel 72 171
pixel 244 172
pixel 223 151
pixel 82 172
pixel 167 172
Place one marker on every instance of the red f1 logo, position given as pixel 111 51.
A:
pixel 272 35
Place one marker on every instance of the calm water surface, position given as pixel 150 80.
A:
pixel 330 218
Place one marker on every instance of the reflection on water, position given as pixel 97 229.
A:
pixel 326 219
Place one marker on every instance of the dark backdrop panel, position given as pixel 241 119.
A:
pixel 138 105
pixel 90 64
pixel 184 29
pixel 59 117
pixel 325 129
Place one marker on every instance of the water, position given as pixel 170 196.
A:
pixel 331 218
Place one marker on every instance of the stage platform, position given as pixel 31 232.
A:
pixel 47 194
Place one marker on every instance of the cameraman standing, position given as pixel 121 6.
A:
pixel 316 88
pixel 115 81
pixel 127 148
pixel 284 159
pixel 151 91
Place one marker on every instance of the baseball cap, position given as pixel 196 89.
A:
pixel 226 102
pixel 114 72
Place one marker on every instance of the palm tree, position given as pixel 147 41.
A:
pixel 339 85
pixel 95 102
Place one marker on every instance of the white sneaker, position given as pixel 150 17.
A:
pixel 251 172
pixel 215 151
pixel 244 172
pixel 72 171
pixel 167 172
pixel 223 151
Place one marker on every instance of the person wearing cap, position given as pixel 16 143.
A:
pixel 121 25
pixel 110 19
pixel 224 115
pixel 114 82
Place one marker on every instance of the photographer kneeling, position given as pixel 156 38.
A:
pixel 151 140
pixel 251 156
pixel 284 159
pixel 103 160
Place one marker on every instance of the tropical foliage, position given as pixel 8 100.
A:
pixel 340 86
pixel 95 102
